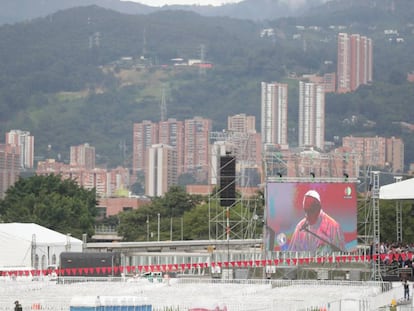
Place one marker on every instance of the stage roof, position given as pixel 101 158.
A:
pixel 403 190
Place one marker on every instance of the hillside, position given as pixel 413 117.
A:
pixel 259 10
pixel 66 77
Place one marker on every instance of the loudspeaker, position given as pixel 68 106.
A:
pixel 227 189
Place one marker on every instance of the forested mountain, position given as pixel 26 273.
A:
pixel 20 10
pixel 68 79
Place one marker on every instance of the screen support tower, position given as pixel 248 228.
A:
pixel 376 271
pixel 398 214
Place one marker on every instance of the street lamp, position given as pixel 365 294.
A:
pixel 171 223
pixel 182 228
pixel 147 228
pixel 158 229
pixel 171 228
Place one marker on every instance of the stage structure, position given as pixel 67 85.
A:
pixel 232 213
pixel 302 162
pixel 398 214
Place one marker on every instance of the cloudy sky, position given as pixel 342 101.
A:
pixel 188 2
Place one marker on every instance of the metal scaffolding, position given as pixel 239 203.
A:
pixel 398 214
pixel 239 220
pixel 303 162
pixel 376 270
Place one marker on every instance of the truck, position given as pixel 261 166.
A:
pixel 95 264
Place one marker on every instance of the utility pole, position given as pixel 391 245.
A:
pixel 147 228
pixel 163 106
pixel 201 68
pixel 158 229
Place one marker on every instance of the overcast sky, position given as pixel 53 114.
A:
pixel 188 2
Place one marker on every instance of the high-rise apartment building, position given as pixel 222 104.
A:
pixel 311 115
pixel 328 81
pixel 9 166
pixel 354 63
pixel 244 138
pixel 377 151
pixel 217 150
pixel 334 163
pixel 241 123
pixel 197 141
pixel 274 101
pixel 145 134
pixel 395 154
pixel 189 139
pixel 25 142
pixel 162 170
pixel 107 183
pixel 171 132
pixel 82 156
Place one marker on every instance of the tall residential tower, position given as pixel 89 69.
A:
pixel 354 62
pixel 311 115
pixel 274 101
pixel 25 142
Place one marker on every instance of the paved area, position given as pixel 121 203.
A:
pixel 184 294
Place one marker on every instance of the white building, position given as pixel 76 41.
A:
pixel 274 101
pixel 25 142
pixel 162 170
pixel 311 115
pixel 29 245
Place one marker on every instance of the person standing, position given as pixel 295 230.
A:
pixel 406 290
pixel 317 231
pixel 17 306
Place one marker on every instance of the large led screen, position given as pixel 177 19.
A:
pixel 311 216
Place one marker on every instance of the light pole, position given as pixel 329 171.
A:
pixel 182 228
pixel 170 228
pixel 158 229
pixel 170 222
pixel 147 228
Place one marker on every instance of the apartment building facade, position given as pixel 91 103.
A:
pixel 196 148
pixel 274 107
pixel 25 142
pixel 381 152
pixel 311 115
pixel 171 132
pixel 245 140
pixel 354 62
pixel 145 134
pixel 162 170
pixel 83 156
pixel 10 164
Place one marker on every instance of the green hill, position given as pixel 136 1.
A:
pixel 87 74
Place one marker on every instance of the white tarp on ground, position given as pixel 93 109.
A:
pixel 402 190
pixel 20 242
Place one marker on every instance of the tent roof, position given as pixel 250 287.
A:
pixel 25 232
pixel 402 190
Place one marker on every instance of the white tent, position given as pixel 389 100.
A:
pixel 402 190
pixel 33 246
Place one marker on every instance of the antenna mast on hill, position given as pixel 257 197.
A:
pixel 144 42
pixel 201 68
pixel 163 106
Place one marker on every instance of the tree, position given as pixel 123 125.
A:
pixel 136 225
pixel 49 201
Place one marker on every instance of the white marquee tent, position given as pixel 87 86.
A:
pixel 402 190
pixel 33 246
